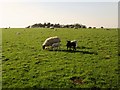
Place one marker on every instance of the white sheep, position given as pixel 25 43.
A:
pixel 50 41
pixel 18 33
pixel 51 27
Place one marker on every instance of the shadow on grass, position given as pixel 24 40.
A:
pixel 83 47
pixel 76 51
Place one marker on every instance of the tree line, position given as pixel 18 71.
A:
pixel 50 25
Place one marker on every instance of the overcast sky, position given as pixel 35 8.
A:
pixel 21 13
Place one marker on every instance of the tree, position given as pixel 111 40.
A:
pixel 94 27
pixel 89 27
pixel 28 27
pixel 48 25
pixel 77 25
pixel 83 26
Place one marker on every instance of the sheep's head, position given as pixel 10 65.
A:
pixel 43 46
pixel 68 41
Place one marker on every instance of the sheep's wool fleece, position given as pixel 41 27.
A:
pixel 51 40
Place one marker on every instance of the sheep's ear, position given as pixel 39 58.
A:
pixel 68 41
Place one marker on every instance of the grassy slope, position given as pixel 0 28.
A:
pixel 0 58
pixel 25 64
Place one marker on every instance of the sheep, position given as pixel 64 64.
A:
pixel 18 33
pixel 56 45
pixel 71 44
pixel 75 41
pixel 50 41
pixel 51 27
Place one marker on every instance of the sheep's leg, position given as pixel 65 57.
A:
pixel 70 48
pixel 52 48
pixel 74 47
pixel 58 48
pixel 67 47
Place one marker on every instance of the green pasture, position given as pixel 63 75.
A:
pixel 26 65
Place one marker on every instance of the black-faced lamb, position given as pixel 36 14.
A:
pixel 71 44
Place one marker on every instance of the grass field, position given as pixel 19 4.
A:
pixel 0 58
pixel 25 64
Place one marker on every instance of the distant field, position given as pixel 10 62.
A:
pixel 25 64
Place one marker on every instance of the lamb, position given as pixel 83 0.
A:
pixel 75 41
pixel 55 45
pixel 71 44
pixel 50 41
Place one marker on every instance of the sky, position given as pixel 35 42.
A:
pixel 94 13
